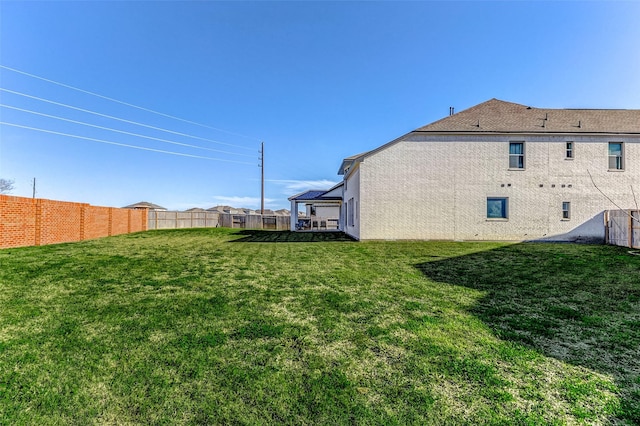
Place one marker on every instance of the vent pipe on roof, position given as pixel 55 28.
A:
pixel 451 111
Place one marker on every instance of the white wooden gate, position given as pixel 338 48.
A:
pixel 623 228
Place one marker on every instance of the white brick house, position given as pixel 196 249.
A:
pixel 497 171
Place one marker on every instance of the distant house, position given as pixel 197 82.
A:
pixel 145 205
pixel 322 209
pixel 221 209
pixel 496 171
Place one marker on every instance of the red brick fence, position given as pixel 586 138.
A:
pixel 36 221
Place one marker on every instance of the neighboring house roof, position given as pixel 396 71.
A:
pixel 144 205
pixel 195 209
pixel 496 116
pixel 238 211
pixel 220 209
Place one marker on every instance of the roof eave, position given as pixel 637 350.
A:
pixel 520 132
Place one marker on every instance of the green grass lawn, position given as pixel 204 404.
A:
pixel 217 326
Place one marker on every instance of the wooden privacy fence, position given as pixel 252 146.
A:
pixel 255 221
pixel 179 220
pixel 623 228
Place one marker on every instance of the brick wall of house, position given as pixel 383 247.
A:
pixel 29 222
pixel 436 187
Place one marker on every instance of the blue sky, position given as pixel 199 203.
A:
pixel 316 81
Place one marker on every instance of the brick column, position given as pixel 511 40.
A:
pixel 83 223
pixel 110 221
pixel 38 215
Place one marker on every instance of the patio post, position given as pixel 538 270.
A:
pixel 294 215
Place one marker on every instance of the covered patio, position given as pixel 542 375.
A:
pixel 322 212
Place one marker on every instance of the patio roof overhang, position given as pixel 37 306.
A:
pixel 331 197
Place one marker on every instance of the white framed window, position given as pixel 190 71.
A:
pixel 566 210
pixel 616 156
pixel 516 155
pixel 350 212
pixel 569 151
pixel 497 208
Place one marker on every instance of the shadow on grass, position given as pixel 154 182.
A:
pixel 576 303
pixel 262 236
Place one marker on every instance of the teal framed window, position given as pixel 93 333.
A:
pixel 497 208
pixel 616 156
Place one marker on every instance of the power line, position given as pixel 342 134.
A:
pixel 128 104
pixel 121 131
pixel 610 200
pixel 120 119
pixel 122 144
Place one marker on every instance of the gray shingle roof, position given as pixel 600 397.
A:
pixel 308 195
pixel 144 205
pixel 313 194
pixel 506 117
pixel 496 116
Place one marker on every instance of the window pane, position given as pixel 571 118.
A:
pixel 616 161
pixel 612 162
pixel 615 149
pixel 516 155
pixel 516 148
pixel 496 208
pixel 516 162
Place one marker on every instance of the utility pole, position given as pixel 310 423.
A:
pixel 261 165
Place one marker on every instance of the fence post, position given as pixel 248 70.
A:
pixel 630 229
